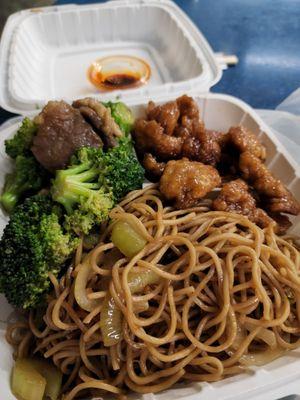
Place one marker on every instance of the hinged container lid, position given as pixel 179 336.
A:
pixel 45 53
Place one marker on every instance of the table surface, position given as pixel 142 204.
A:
pixel 264 34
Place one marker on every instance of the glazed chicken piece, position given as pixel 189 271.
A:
pixel 188 107
pixel 189 128
pixel 166 115
pixel 61 131
pixel 282 223
pixel 100 117
pixel 204 148
pixel 199 144
pixel 189 122
pixel 186 182
pixel 153 167
pixel 149 137
pixel 273 193
pixel 169 126
pixel 235 197
pixel 218 136
pixel 245 140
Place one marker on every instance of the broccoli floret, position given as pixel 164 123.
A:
pixel 20 144
pixel 94 182
pixel 33 244
pixel 122 172
pixel 27 178
pixel 122 115
pixel 91 211
pixel 92 239
pixel 78 189
pixel 57 243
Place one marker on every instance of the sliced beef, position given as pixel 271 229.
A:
pixel 100 117
pixel 62 130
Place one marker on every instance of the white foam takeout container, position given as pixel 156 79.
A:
pixel 45 53
pixel 43 56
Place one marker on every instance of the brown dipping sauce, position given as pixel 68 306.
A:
pixel 122 80
pixel 107 75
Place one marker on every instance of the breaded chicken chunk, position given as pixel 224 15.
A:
pixel 276 197
pixel 235 197
pixel 152 166
pixel 149 137
pixel 166 115
pixel 186 182
pixel 189 122
pixel 245 140
pixel 204 148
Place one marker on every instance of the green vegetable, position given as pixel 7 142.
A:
pixel 129 242
pixel 91 240
pixel 122 115
pixel 122 171
pixel 52 375
pixel 78 189
pixel 126 239
pixel 33 244
pixel 28 178
pixel 27 383
pixel 34 379
pixel 94 182
pixel 20 144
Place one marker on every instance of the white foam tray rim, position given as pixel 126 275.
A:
pixel 264 384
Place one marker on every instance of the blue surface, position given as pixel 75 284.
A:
pixel 264 34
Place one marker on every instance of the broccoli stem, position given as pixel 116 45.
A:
pixel 73 183
pixel 9 201
pixel 27 178
pixel 12 191
pixel 86 176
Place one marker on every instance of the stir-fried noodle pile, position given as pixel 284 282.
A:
pixel 210 294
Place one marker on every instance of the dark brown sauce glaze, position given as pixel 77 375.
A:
pixel 112 78
pixel 122 80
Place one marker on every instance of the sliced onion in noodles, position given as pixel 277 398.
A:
pixel 110 322
pixel 80 292
pixel 137 281
pixel 264 334
pixel 111 316
pixel 240 337
pixel 261 358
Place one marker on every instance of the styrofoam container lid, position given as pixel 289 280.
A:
pixel 45 53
